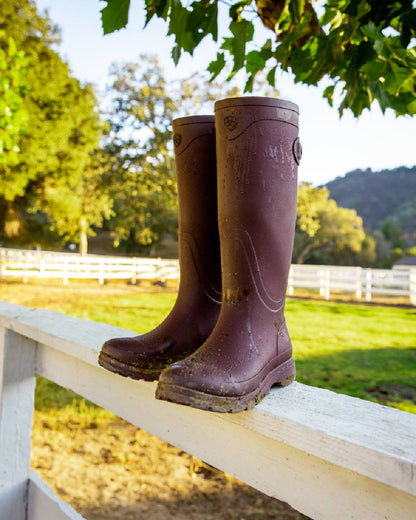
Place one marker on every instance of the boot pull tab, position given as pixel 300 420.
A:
pixel 297 150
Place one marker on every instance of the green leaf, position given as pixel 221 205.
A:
pixel 296 8
pixel 333 16
pixel 271 76
pixel 202 21
pixel 411 108
pixel 227 45
pixel 395 76
pixel 379 93
pixel 357 99
pixel 115 15
pixel 243 32
pixel 162 8
pixel 372 31
pixel 176 54
pixel 248 87
pixel 329 94
pixel 255 61
pixel 191 25
pixel 237 9
pixel 177 22
pixel 374 70
pixel 159 8
pixel 216 66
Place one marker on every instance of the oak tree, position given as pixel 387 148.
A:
pixel 53 173
pixel 323 227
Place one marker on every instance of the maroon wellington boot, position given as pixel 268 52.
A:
pixel 199 298
pixel 249 349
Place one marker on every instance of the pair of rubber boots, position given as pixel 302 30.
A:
pixel 225 342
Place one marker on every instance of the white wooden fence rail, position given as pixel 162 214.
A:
pixel 27 264
pixel 364 283
pixel 328 455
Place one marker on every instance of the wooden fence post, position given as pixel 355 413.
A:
pixel 291 281
pixel 101 273
pixel 65 274
pixel 358 283
pixel 412 286
pixel 368 279
pixel 327 284
pixel 321 282
pixel 17 390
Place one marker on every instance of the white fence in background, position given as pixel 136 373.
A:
pixel 363 282
pixel 25 264
pixel 328 455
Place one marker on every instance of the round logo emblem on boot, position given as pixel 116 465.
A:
pixel 297 150
pixel 177 138
pixel 230 122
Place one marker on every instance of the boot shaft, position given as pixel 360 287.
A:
pixel 257 158
pixel 195 164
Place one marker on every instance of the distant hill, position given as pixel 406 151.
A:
pixel 377 196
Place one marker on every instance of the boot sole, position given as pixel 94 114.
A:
pixel 282 375
pixel 125 370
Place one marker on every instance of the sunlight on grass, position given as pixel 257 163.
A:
pixel 139 313
pixel 360 350
pixel 58 407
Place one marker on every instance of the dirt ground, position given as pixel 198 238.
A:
pixel 114 471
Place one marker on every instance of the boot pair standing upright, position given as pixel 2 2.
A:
pixel 225 342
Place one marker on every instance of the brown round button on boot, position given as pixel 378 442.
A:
pixel 197 307
pixel 249 350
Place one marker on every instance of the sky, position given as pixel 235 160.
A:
pixel 331 146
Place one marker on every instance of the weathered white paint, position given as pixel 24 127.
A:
pixel 328 455
pixel 45 505
pixel 17 385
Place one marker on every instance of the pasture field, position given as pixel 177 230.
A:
pixel 107 469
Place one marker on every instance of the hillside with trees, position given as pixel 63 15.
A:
pixel 378 197
pixel 386 202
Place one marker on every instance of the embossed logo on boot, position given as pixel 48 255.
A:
pixel 230 122
pixel 177 138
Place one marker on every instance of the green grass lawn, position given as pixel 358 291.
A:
pixel 361 350
pixel 366 351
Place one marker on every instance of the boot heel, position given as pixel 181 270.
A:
pixel 285 373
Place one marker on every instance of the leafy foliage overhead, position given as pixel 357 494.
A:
pixel 364 50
